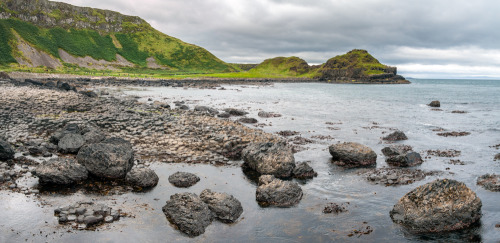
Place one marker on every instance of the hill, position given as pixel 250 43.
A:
pixel 282 66
pixel 59 35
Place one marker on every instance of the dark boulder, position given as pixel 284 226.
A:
pixel 353 155
pixel 206 109
pixel 269 159
pixel 224 115
pixel 61 171
pixel 396 136
pixel 435 103
pixel 497 157
pixel 184 107
pixel 248 120
pixel 226 208
pixel 405 160
pixel 69 128
pixel 89 93
pixel 183 179
pixel 188 213
pixel 6 150
pixel 304 171
pixel 142 177
pixel 235 112
pixel 265 114
pixel 70 143
pixel 441 205
pixel 276 192
pixel 112 158
pixel 489 182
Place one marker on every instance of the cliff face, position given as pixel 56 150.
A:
pixel 48 14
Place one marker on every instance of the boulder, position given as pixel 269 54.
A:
pixel 248 120
pixel 435 103
pixel 441 205
pixel 69 128
pixel 235 112
pixel 396 136
pixel 270 159
pixel 70 143
pixel 206 109
pixel 226 208
pixel 264 114
pixel 497 157
pixel 304 171
pixel 276 192
pixel 188 213
pixel 94 136
pixel 405 160
pixel 112 158
pixel 183 179
pixel 489 182
pixel 61 171
pixel 353 155
pixel 142 177
pixel 224 115
pixel 6 151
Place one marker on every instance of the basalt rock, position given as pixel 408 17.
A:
pixel 183 179
pixel 248 120
pixel 435 103
pixel 70 143
pixel 235 112
pixel 489 182
pixel 6 151
pixel 226 208
pixel 352 155
pixel 441 205
pixel 265 114
pixel 61 171
pixel 188 213
pixel 401 157
pixel 396 136
pixel 269 159
pixel 142 177
pixel 276 192
pixel 304 171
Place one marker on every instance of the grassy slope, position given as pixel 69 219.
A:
pixel 355 59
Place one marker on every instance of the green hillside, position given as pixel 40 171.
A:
pixel 100 34
pixel 282 66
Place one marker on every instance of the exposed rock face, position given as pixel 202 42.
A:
pixel 227 209
pixel 142 177
pixel 71 143
pixel 276 192
pixel 400 157
pixel 352 155
pixel 270 159
pixel 304 171
pixel 396 136
pixel 183 179
pixel 441 205
pixel 61 171
pixel 112 158
pixel 489 182
pixel 6 151
pixel 188 212
pixel 435 103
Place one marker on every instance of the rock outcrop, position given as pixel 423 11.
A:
pixel 269 159
pixel 441 205
pixel 351 154
pixel 188 213
pixel 276 192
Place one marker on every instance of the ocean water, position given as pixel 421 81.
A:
pixel 355 113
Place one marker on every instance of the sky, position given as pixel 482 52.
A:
pixel 423 38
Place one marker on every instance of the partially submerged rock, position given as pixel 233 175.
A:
pixel 183 179
pixel 441 205
pixel 142 177
pixel 265 114
pixel 304 171
pixel 400 157
pixel 226 208
pixel 489 182
pixel 188 213
pixel 6 150
pixel 276 192
pixel 248 120
pixel 353 155
pixel 86 215
pixel 435 103
pixel 396 136
pixel 453 134
pixel 113 158
pixel 269 159
pixel 395 177
pixel 497 157
pixel 235 112
pixel 61 171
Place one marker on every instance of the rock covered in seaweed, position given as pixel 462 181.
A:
pixel 269 159
pixel 490 182
pixel 396 136
pixel 441 205
pixel 351 154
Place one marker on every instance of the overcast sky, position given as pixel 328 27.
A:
pixel 423 38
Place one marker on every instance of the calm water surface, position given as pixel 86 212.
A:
pixel 357 113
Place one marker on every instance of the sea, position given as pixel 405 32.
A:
pixel 326 114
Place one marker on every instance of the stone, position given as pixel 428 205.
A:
pixel 224 115
pixel 269 159
pixel 304 171
pixel 276 192
pixel 497 157
pixel 248 120
pixel 490 182
pixel 61 171
pixel 435 103
pixel 6 150
pixel 71 143
pixel 91 220
pixel 108 219
pixel 396 136
pixel 226 208
pixel 94 136
pixel 441 205
pixel 405 160
pixel 69 128
pixel 188 213
pixel 142 177
pixel 112 158
pixel 353 155
pixel 268 114
pixel 235 112
pixel 206 109
pixel 183 179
